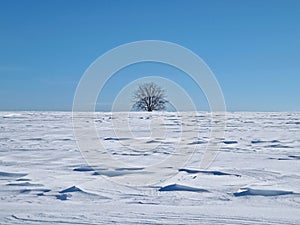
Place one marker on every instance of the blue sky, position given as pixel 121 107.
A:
pixel 253 48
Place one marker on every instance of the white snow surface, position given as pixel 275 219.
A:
pixel 254 179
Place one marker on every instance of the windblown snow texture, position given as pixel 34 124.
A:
pixel 44 178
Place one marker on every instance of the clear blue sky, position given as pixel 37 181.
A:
pixel 253 47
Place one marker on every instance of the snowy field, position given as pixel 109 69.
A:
pixel 254 179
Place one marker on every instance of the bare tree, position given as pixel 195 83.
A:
pixel 149 97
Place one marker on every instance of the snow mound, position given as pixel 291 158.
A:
pixel 66 193
pixel 7 174
pixel 263 141
pixel 290 157
pixel 12 115
pixel 198 142
pixel 71 189
pixel 115 139
pixel 278 146
pixel 260 192
pixel 217 173
pixel 39 191
pixel 294 156
pixel 78 192
pixel 119 172
pixel 83 169
pixel 24 184
pixel 75 189
pixel 23 179
pixel 178 187
pixel 230 142
pixel 130 169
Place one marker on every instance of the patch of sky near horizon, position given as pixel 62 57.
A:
pixel 182 91
pixel 252 47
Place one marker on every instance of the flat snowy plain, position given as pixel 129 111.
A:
pixel 254 179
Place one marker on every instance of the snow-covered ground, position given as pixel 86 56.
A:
pixel 46 179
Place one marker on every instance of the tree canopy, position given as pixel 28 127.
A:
pixel 149 97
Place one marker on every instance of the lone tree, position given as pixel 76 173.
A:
pixel 149 97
